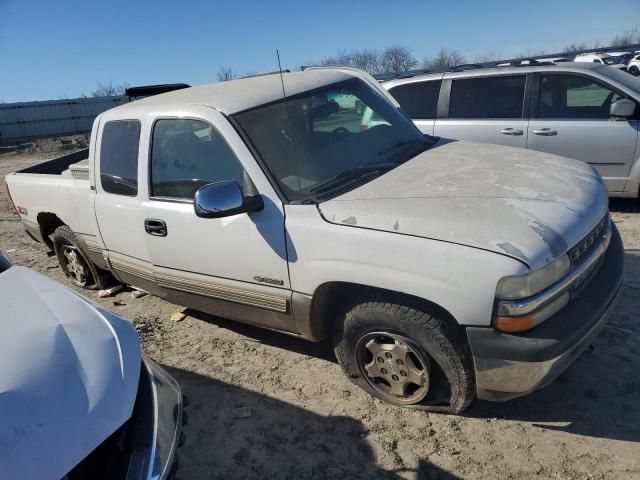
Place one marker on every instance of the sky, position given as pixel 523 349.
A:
pixel 52 49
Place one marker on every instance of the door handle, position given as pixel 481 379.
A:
pixel 155 227
pixel 545 132
pixel 511 131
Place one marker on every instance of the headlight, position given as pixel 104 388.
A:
pixel 518 308
pixel 523 286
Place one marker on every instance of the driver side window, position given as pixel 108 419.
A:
pixel 187 154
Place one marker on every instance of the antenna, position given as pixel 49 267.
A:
pixel 284 94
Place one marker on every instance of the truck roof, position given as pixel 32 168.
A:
pixel 234 96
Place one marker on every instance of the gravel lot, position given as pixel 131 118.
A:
pixel 307 421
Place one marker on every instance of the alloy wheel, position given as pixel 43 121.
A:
pixel 394 367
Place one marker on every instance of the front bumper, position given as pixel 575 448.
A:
pixel 512 365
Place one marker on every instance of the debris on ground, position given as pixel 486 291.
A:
pixel 137 293
pixel 107 292
pixel 242 412
pixel 178 316
pixel 11 250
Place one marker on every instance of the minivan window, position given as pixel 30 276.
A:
pixel 187 154
pixel 487 97
pixel 119 157
pixel 573 96
pixel 313 144
pixel 418 99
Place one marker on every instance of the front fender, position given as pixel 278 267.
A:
pixel 460 279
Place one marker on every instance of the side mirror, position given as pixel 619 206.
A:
pixel 224 199
pixel 622 109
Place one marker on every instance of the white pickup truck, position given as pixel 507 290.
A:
pixel 442 271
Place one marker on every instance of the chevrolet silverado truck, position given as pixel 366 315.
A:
pixel 441 270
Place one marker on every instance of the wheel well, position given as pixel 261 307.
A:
pixel 331 299
pixel 48 223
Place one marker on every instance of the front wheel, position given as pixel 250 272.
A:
pixel 405 356
pixel 634 70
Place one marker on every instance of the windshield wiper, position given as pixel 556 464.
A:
pixel 352 174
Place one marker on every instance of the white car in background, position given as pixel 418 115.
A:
pixel 633 67
pixel 600 58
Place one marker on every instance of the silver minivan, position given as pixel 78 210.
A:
pixel 585 111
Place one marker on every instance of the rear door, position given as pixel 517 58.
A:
pixel 419 100
pixel 118 200
pixel 570 117
pixel 488 109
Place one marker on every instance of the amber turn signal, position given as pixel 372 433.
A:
pixel 515 324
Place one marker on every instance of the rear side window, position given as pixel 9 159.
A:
pixel 419 100
pixel 487 97
pixel 187 154
pixel 573 96
pixel 119 157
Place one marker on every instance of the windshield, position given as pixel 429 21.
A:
pixel 316 147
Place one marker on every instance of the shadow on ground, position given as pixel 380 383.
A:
pixel 624 205
pixel 274 440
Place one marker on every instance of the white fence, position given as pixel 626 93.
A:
pixel 26 120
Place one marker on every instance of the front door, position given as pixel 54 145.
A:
pixel 572 120
pixel 235 266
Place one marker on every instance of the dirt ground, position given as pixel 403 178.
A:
pixel 308 421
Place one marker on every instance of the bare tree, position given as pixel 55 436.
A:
pixel 344 58
pixel 575 47
pixel 397 59
pixel 444 59
pixel 108 89
pixel 485 57
pixel 628 37
pixel 225 74
pixel 367 60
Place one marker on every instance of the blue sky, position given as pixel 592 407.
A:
pixel 53 49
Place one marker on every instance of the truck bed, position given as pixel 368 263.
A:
pixel 59 165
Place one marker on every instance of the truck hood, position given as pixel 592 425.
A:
pixel 69 373
pixel 529 205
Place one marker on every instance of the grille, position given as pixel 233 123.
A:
pixel 584 247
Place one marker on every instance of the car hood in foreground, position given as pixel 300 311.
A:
pixel 529 205
pixel 69 373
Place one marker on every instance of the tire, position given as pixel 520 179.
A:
pixel 75 263
pixel 634 71
pixel 434 351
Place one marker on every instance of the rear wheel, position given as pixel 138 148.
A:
pixel 405 356
pixel 634 70
pixel 75 262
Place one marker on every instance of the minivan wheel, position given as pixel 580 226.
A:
pixel 405 356
pixel 75 262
